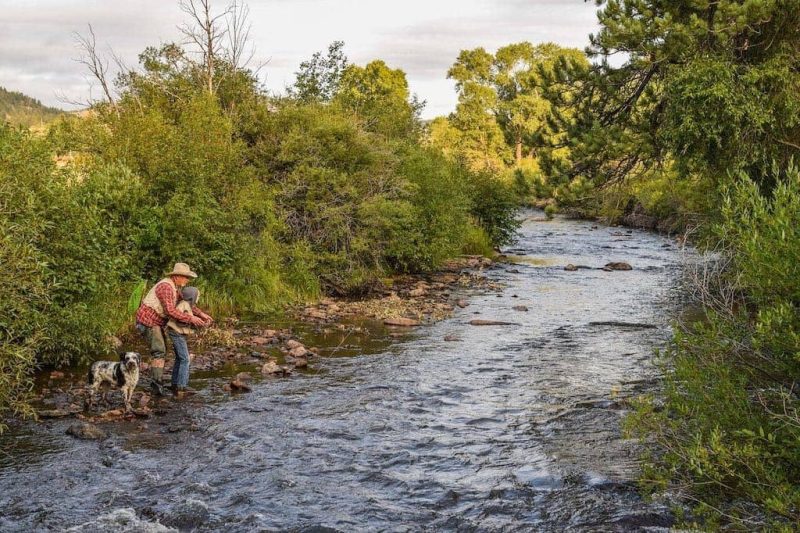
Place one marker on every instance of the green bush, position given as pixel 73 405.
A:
pixel 271 204
pixel 730 430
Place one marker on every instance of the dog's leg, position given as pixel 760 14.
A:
pixel 126 397
pixel 93 393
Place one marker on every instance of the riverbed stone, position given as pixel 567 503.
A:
pixel 571 268
pixel 271 367
pixel 298 351
pixel 188 515
pixel 86 431
pixel 520 308
pixel 617 265
pixel 292 344
pixel 481 322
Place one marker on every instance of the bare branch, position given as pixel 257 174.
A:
pixel 97 65
pixel 206 33
pixel 240 49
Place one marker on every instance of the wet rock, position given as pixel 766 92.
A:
pixel 301 362
pixel 271 367
pixel 244 377
pixel 239 386
pixel 617 266
pixel 292 344
pixel 144 399
pixel 86 431
pixel 482 322
pixel 520 308
pixel 299 351
pixel 451 338
pixel 57 413
pixel 401 322
pixel 570 268
pixel 615 323
pixel 56 374
pixel 113 413
pixel 188 516
pixel 119 520
pixel 462 303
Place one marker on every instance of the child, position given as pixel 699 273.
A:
pixel 178 331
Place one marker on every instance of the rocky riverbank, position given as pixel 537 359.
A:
pixel 248 351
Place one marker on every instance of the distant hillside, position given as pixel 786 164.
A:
pixel 21 110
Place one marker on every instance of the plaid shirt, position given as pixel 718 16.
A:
pixel 147 316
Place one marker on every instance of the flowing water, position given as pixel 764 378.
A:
pixel 509 428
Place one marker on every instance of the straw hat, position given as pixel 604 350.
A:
pixel 182 269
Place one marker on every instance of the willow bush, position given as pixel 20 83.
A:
pixel 729 432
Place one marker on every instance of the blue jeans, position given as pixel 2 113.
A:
pixel 180 370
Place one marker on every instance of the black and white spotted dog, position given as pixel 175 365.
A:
pixel 123 374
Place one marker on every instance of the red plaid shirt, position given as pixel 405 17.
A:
pixel 147 316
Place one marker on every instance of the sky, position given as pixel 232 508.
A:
pixel 422 37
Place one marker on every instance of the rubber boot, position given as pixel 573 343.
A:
pixel 155 380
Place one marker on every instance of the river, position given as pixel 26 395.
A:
pixel 509 428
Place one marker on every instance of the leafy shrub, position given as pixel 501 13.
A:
pixel 730 430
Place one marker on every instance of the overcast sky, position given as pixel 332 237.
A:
pixel 423 37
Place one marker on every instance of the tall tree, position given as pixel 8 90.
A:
pixel 318 78
pixel 507 94
pixel 709 84
pixel 380 97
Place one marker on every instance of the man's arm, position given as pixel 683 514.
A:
pixel 202 314
pixel 166 295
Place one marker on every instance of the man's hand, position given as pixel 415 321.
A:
pixel 198 322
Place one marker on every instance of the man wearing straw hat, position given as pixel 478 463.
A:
pixel 159 306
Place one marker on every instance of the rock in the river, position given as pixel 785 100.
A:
pixel 401 322
pixel 462 303
pixel 86 431
pixel 570 268
pixel 480 322
pixel 520 308
pixel 271 367
pixel 301 362
pixel 239 386
pixel 55 413
pixel 451 338
pixel 292 344
pixel 244 377
pixel 144 400
pixel 298 351
pixel 188 516
pixel 617 266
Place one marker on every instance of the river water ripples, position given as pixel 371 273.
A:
pixel 508 428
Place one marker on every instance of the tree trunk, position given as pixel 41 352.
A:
pixel 518 154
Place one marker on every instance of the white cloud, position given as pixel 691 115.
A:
pixel 423 37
